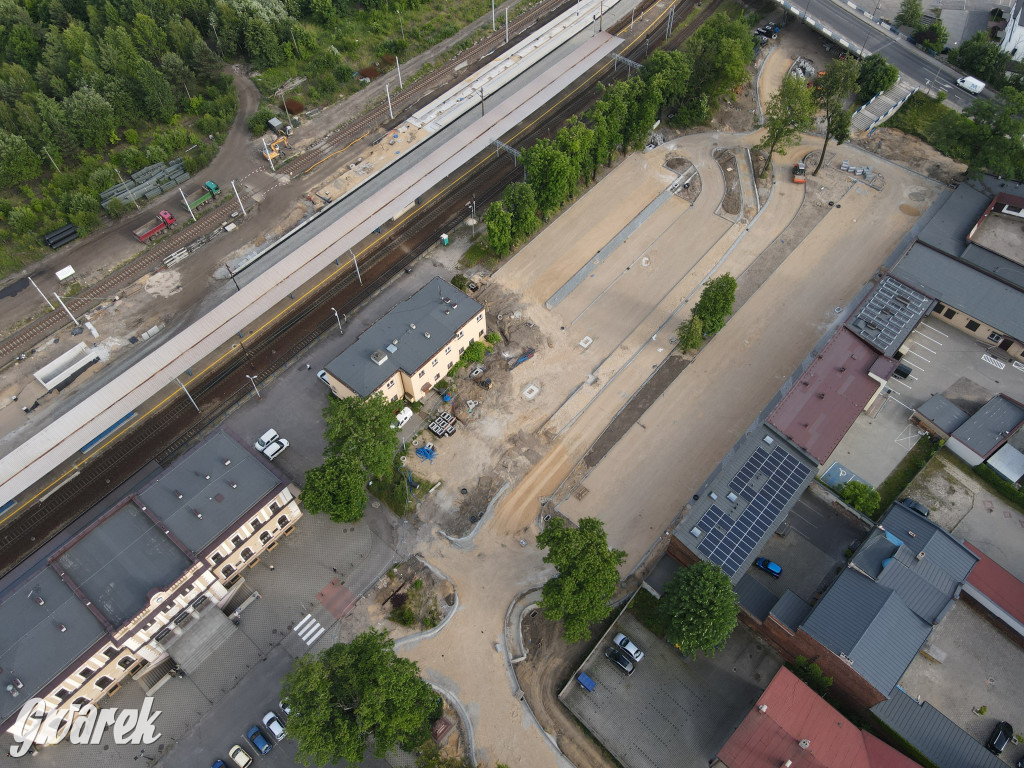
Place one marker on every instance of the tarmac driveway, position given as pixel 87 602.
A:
pixel 671 710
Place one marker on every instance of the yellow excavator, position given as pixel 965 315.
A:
pixel 274 148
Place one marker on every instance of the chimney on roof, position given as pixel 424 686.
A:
pixel 805 744
pixel 821 395
pixel 18 684
pixel 426 334
pixel 446 300
pixel 379 357
pixel 227 462
pixel 179 495
pixel 412 326
pixel 38 600
pixel 62 628
pixel 10 690
pixel 197 513
pixel 207 477
pixel 455 306
pixel 232 483
pixel 920 555
pixel 842 369
pixel 763 708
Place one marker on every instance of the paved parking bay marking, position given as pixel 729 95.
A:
pixel 309 629
pixel 912 352
pixel 922 346
pixel 933 329
pixel 992 361
pixel 933 341
pixel 901 383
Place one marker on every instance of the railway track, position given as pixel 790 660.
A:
pixel 177 425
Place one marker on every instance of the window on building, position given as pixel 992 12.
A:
pixel 282 521
pixel 949 314
pixel 461 350
pixel 217 557
pixel 394 398
pixel 228 570
pixel 246 553
pixel 86 672
pixel 236 540
pixel 972 325
pixel 264 537
pixel 448 351
pixel 480 317
pixel 80 702
pixel 62 694
pixel 434 362
pixel 104 682
pixel 256 524
pixel 422 374
pixel 995 338
pixel 460 335
pixel 437 376
pixel 481 332
pixel 391 384
pixel 939 308
pixel 274 506
pixel 126 662
pixel 110 651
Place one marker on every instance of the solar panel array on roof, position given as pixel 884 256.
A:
pixel 768 481
pixel 890 314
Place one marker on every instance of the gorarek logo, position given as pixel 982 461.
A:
pixel 86 725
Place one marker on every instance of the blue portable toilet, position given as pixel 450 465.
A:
pixel 586 682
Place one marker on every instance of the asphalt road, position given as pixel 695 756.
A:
pixel 851 25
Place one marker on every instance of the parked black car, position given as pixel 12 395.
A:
pixel 1000 737
pixel 916 505
pixel 620 659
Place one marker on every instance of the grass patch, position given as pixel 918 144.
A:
pixel 905 472
pixel 396 494
pixel 992 482
pixel 690 18
pixel 479 253
pixel 645 608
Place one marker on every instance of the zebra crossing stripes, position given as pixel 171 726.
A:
pixel 309 629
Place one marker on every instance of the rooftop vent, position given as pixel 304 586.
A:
pixel 379 357
pixel 207 477
pixel 62 628
pixel 197 513
pixel 455 306
pixel 227 462
pixel 763 708
pixel 447 311
pixel 392 348
pixel 179 494
pixel 426 334
pixel 446 300
pixel 232 483
pixel 412 326
pixel 38 600
pixel 920 555
pixel 805 743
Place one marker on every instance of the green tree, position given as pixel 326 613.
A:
pixel 715 303
pixel 860 496
pixel 700 608
pixel 831 92
pixel 576 141
pixel 355 691
pixel 981 57
pixel 789 112
pixel 499 228
pixel 518 199
pixel 550 172
pixel 876 76
pixel 933 37
pixel 362 431
pixel 587 575
pixel 718 54
pixel 337 488
pixel 910 14
pixel 671 70
pixel 18 162
pixel 811 674
pixel 90 117
pixel 691 334
pixel 999 134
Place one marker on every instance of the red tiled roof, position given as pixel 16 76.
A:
pixel 822 406
pixel 796 713
pixel 997 584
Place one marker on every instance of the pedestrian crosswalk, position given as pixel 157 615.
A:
pixel 309 629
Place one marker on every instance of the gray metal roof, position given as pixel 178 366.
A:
pixel 871 626
pixel 954 283
pixel 940 548
pixel 933 734
pixel 791 610
pixel 121 561
pixel 987 429
pixel 416 330
pixel 993 264
pixel 888 315
pixel 215 499
pixel 32 647
pixel 1008 462
pixel 942 413
pixel 756 599
pixel 948 229
pixel 925 588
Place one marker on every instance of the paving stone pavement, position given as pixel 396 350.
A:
pixel 303 564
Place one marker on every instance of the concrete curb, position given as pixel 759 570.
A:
pixel 463 716
pixel 468 538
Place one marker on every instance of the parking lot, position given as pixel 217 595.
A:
pixel 671 710
pixel 944 360
pixel 981 668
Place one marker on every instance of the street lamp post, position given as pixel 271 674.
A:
pixel 339 320
pixel 252 380
pixel 400 24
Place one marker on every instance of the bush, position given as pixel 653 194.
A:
pixel 811 674
pixel 461 282
pixel 493 337
pixel 403 616
pixel 257 123
pixel 860 496
pixel 1003 487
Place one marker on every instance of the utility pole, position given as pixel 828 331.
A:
pixel 481 102
pixel 356 263
pixel 266 153
pixel 398 65
pixel 187 394
pixel 292 33
pixel 185 199
pixel 492 16
pixel 66 309
pixel 285 105
pixel 51 160
pixel 506 26
pixel 41 293
pixel 134 201
pixel 400 24
pixel 252 380
pixel 238 198
pixel 387 90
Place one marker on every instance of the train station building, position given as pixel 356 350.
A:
pixel 148 590
pixel 412 347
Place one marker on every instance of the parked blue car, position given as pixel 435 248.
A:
pixel 259 741
pixel 772 569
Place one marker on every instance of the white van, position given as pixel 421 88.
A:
pixel 972 84
pixel 402 417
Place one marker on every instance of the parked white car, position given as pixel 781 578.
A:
pixel 270 436
pixel 276 448
pixel 273 724
pixel 403 417
pixel 623 642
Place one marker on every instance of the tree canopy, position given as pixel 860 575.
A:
pixel 337 488
pixel 876 76
pixel 831 92
pixel 910 14
pixel 715 302
pixel 361 429
pixel 860 496
pixel 789 112
pixel 499 228
pixel 700 608
pixel 587 575
pixel 981 57
pixel 355 691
